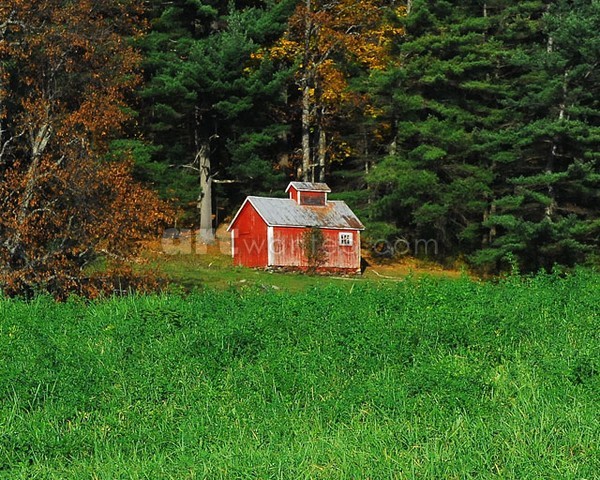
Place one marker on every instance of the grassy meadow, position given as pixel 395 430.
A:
pixel 428 378
pixel 213 269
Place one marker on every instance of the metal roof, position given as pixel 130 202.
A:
pixel 308 187
pixel 286 212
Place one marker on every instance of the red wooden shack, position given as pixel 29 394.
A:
pixel 271 232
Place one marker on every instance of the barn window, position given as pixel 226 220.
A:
pixel 345 239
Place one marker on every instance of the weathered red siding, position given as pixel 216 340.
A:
pixel 281 245
pixel 293 193
pixel 250 239
pixel 287 249
pixel 341 256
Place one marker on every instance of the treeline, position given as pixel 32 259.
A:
pixel 474 124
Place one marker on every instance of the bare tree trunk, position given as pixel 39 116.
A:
pixel 322 153
pixel 206 233
pixel 306 103
pixel 550 164
pixel 393 148
pixel 563 103
pixel 305 131
pixel 493 230
pixel 549 210
pixel 38 142
pixel 3 141
pixel 551 207
pixel 490 235
pixel 367 166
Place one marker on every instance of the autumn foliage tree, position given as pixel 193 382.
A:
pixel 66 69
pixel 327 41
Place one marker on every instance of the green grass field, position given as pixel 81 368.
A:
pixel 428 378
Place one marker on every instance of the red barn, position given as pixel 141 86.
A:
pixel 272 232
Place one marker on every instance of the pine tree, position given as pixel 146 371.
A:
pixel 434 182
pixel 492 130
pixel 546 154
pixel 208 102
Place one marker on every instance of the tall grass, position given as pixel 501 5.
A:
pixel 429 378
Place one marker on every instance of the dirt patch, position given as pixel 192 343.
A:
pixel 402 267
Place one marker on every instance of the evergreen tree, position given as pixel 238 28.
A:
pixel 208 113
pixel 492 129
pixel 434 183
pixel 546 155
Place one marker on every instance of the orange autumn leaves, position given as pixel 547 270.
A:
pixel 327 40
pixel 65 76
pixel 70 62
pixel 350 30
